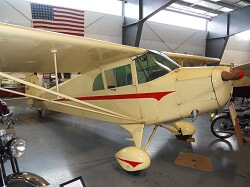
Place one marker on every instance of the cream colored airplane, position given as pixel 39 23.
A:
pixel 130 86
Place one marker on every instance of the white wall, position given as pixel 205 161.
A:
pixel 237 51
pixel 109 28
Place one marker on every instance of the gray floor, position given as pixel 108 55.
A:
pixel 61 147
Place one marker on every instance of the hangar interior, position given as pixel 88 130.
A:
pixel 61 147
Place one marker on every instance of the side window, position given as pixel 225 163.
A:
pixel 120 76
pixel 147 69
pixel 98 83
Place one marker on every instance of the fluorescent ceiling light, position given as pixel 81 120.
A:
pixel 211 14
pixel 215 0
pixel 224 9
pixel 191 1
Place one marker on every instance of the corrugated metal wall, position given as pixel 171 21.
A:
pixel 173 39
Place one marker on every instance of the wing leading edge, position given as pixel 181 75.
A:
pixel 25 49
pixel 191 60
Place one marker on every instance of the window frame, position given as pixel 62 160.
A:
pixel 155 52
pixel 124 62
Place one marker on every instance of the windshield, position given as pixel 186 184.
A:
pixel 153 65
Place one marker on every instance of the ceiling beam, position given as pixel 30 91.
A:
pixel 132 26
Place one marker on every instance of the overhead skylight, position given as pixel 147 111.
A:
pixel 181 20
pixel 113 7
pixel 208 5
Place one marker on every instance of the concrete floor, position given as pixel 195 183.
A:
pixel 61 147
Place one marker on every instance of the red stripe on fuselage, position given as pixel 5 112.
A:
pixel 154 95
pixel 132 163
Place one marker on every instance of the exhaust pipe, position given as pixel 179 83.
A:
pixel 194 114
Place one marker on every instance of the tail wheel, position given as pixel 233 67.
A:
pixel 222 127
pixel 183 137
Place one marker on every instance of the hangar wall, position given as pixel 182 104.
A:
pixel 106 27
pixel 170 38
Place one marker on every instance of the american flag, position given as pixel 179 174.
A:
pixel 58 19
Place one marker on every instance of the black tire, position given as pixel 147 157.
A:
pixel 222 123
pixel 183 137
pixel 20 184
pixel 134 173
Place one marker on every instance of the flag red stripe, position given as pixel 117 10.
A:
pixel 80 11
pixel 81 19
pixel 57 28
pixel 59 24
pixel 72 33
pixel 56 19
pixel 68 13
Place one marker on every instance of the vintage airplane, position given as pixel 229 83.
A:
pixel 130 86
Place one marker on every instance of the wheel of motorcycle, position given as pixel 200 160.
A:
pixel 183 137
pixel 20 184
pixel 220 124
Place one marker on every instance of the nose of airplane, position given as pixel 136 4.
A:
pixel 233 75
pixel 221 80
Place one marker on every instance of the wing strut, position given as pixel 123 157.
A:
pixel 54 51
pixel 98 110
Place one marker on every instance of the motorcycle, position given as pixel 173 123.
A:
pixel 11 148
pixel 222 126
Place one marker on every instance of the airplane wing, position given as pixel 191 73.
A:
pixel 25 49
pixel 191 60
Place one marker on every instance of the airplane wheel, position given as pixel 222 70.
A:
pixel 183 137
pixel 134 173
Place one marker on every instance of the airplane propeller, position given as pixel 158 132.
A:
pixel 233 75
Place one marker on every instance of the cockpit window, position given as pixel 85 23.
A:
pixel 120 76
pixel 153 65
pixel 98 83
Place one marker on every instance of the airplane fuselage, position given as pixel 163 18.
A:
pixel 164 99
